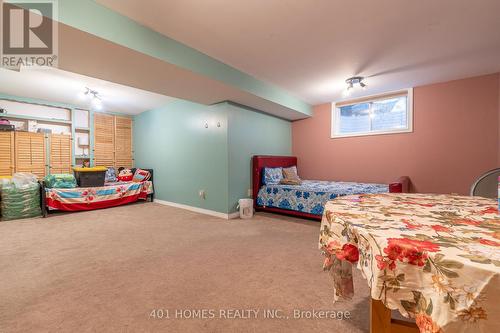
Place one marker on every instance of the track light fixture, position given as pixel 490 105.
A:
pixel 352 82
pixel 95 98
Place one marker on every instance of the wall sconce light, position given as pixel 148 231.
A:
pixel 206 124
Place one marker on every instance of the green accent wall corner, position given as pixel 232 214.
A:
pixel 194 147
pixel 252 133
pixel 185 155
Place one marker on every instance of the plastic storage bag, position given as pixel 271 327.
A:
pixel 20 197
pixel 63 180
pixel 24 179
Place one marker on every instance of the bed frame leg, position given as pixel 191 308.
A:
pixel 380 317
pixel 381 320
pixel 43 201
pixel 402 185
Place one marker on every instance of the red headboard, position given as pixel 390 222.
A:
pixel 262 161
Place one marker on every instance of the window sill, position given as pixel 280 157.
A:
pixel 353 135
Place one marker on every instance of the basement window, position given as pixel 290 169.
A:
pixel 382 114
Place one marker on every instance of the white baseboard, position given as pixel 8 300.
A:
pixel 199 210
pixel 234 215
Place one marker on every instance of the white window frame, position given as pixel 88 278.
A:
pixel 335 114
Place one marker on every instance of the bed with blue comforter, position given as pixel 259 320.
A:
pixel 312 195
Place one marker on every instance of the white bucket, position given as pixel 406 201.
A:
pixel 246 208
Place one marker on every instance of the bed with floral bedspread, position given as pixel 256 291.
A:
pixel 312 195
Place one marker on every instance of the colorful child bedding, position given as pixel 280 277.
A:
pixel 312 195
pixel 125 175
pixel 141 175
pixel 110 175
pixel 89 198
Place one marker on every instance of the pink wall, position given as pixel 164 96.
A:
pixel 455 138
pixel 498 162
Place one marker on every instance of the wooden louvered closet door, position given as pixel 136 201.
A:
pixel 30 153
pixel 60 154
pixel 7 157
pixel 123 142
pixel 104 143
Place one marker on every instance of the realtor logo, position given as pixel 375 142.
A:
pixel 29 33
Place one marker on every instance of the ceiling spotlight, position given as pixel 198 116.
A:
pixel 352 82
pixel 95 98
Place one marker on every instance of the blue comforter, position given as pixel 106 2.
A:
pixel 312 195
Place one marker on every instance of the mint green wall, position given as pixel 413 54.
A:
pixel 187 157
pixel 252 133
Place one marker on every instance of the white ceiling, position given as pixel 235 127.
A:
pixel 65 87
pixel 311 47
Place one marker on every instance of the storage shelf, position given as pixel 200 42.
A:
pixel 40 119
pixel 82 157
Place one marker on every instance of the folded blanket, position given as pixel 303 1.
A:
pixel 63 180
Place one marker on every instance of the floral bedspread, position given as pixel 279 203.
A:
pixel 312 195
pixel 435 258
pixel 88 198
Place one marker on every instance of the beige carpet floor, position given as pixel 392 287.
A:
pixel 107 270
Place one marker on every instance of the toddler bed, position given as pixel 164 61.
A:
pixel 90 198
pixel 309 198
